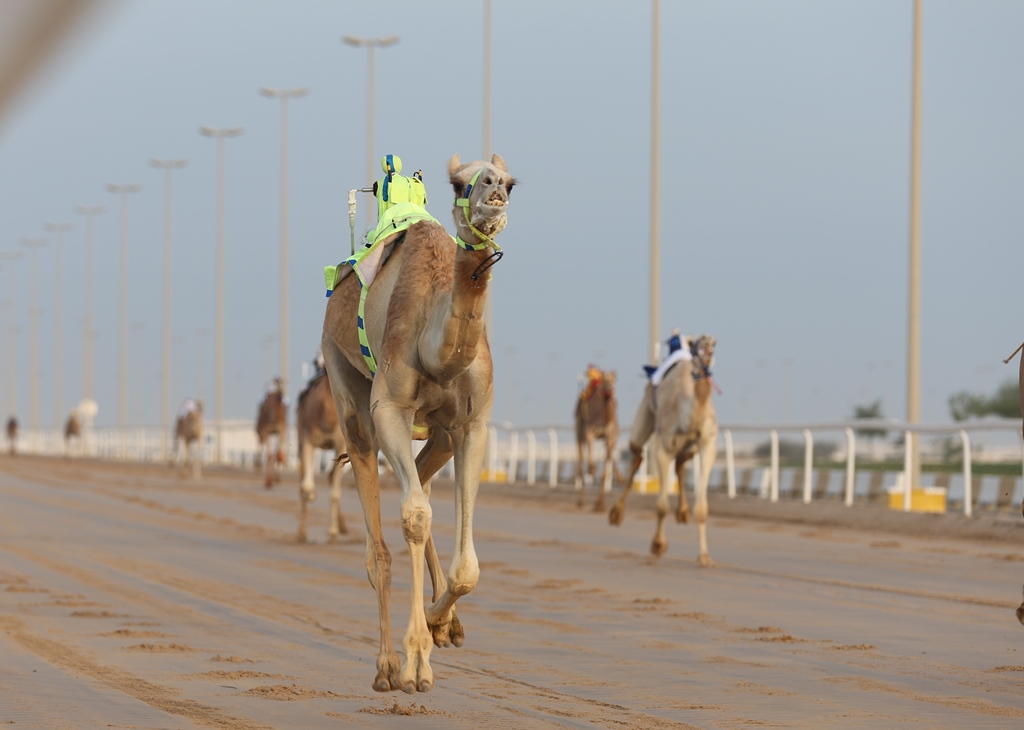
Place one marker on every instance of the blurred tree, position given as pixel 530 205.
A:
pixel 1004 403
pixel 874 410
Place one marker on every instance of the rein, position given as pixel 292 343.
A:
pixel 704 370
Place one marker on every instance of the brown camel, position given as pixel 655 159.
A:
pixel 424 326
pixel 272 430
pixel 597 417
pixel 681 417
pixel 316 420
pixel 188 431
pixel 12 434
pixel 72 430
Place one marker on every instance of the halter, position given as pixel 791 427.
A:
pixel 702 369
pixel 485 241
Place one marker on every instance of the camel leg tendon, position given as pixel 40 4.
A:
pixel 659 544
pixel 307 488
pixel 468 444
pixel 338 526
pixel 393 424
pixel 708 451
pixel 362 451
pixel 435 454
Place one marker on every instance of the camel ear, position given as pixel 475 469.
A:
pixel 498 162
pixel 453 165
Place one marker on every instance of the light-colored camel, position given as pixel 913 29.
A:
pixel 680 415
pixel 316 420
pixel 1020 379
pixel 597 417
pixel 424 324
pixel 188 431
pixel 12 435
pixel 272 430
pixel 72 430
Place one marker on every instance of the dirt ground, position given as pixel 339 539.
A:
pixel 133 598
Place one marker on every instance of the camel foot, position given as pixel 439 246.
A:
pixel 599 504
pixel 683 515
pixel 704 560
pixel 579 499
pixel 387 677
pixel 300 537
pixel 616 514
pixel 332 538
pixel 659 546
pixel 448 632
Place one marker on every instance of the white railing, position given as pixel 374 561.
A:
pixel 551 454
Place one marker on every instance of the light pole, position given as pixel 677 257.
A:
pixel 487 138
pixel 655 302
pixel 284 95
pixel 12 381
pixel 122 329
pixel 369 44
pixel 914 284
pixel 219 134
pixel 58 229
pixel 168 166
pixel 33 244
pixel 90 212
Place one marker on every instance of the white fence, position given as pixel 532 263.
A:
pixel 548 455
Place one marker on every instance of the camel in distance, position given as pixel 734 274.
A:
pixel 316 420
pixel 12 435
pixel 188 435
pixel 597 417
pixel 72 432
pixel 272 431
pixel 408 356
pixel 677 411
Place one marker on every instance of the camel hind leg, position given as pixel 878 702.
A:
pixel 659 543
pixel 307 488
pixel 337 526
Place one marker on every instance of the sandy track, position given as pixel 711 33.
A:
pixel 130 598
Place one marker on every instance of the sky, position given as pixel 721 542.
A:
pixel 785 179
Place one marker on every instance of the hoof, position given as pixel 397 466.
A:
pixel 615 515
pixel 704 560
pixel 683 516
pixel 599 504
pixel 332 538
pixel 301 536
pixel 381 684
pixel 658 547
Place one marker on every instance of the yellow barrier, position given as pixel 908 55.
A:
pixel 652 485
pixel 922 499
pixel 498 476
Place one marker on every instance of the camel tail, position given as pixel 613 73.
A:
pixel 1007 360
pixel 339 461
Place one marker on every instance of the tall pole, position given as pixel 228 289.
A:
pixel 284 95
pixel 90 211
pixel 914 284
pixel 58 229
pixel 33 244
pixel 655 287
pixel 220 134
pixel 12 380
pixel 370 44
pixel 122 328
pixel 487 134
pixel 168 166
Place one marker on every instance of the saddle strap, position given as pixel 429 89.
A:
pixel 364 342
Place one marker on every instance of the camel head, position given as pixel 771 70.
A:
pixel 608 381
pixel 482 191
pixel 703 351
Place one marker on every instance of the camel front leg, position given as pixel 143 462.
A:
pixel 659 543
pixel 708 452
pixel 434 455
pixel 268 464
pixel 469 445
pixel 580 445
pixel 393 425
pixel 683 507
pixel 606 475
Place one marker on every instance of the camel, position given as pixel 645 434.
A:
pixel 1020 379
pixel 597 418
pixel 188 430
pixel 316 420
pixel 681 417
pixel 272 423
pixel 424 334
pixel 72 430
pixel 12 434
